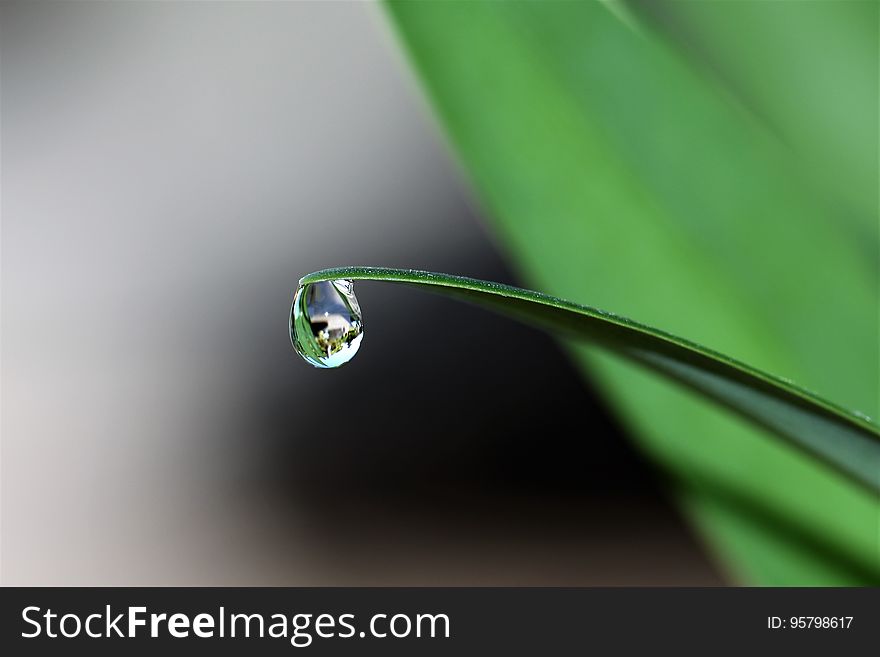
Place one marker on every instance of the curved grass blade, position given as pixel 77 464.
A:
pixel 840 438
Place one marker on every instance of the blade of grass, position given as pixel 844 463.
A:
pixel 840 438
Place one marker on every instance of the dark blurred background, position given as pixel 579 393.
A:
pixel 169 171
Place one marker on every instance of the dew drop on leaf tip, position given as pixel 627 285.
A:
pixel 326 328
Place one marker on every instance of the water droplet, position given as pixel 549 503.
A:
pixel 325 323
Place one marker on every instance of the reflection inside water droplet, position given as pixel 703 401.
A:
pixel 325 323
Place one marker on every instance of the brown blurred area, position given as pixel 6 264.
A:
pixel 169 170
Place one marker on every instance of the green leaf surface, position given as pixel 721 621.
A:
pixel 842 439
pixel 618 170
pixel 808 73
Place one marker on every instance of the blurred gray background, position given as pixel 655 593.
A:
pixel 169 170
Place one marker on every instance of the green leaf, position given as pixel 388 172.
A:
pixel 821 100
pixel 618 171
pixel 840 438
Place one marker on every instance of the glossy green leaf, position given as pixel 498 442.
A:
pixel 617 170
